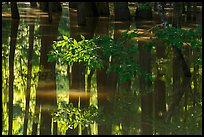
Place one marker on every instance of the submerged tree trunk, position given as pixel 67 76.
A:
pixel 73 30
pixel 145 88
pixel 36 115
pixel 160 88
pixel 33 4
pixel 177 12
pixel 50 7
pixel 105 90
pixel 187 87
pixel 103 9
pixel 14 31
pixel 189 11
pixel 143 13
pixel 195 75
pixel 77 83
pixel 43 6
pixel 91 9
pixel 47 79
pixel 102 82
pixel 46 99
pixel 73 5
pixel 177 95
pixel 86 9
pixel 121 11
pixel 29 75
pixel 14 11
pixel 194 10
pixel 186 71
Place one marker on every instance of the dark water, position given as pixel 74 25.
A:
pixel 33 88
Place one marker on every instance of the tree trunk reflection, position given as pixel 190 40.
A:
pixel 145 89
pixel 14 30
pixel 46 99
pixel 30 52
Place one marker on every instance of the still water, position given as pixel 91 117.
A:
pixel 41 97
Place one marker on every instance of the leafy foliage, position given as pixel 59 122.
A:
pixel 123 110
pixel 96 53
pixel 69 51
pixel 179 38
pixel 70 117
pixel 145 5
pixel 187 123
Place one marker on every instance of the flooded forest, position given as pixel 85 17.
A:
pixel 101 68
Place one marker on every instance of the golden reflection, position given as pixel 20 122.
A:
pixel 27 13
pixel 120 22
pixel 142 39
pixel 72 93
pixel 6 14
pixel 48 108
pixel 168 9
pixel 75 26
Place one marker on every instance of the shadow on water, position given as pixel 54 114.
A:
pixel 137 106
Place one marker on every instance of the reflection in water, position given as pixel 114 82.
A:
pixel 160 84
pixel 30 53
pixel 47 75
pixel 14 30
pixel 136 106
pixel 146 86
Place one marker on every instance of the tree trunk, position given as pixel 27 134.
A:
pixel 194 10
pixel 29 75
pixel 77 82
pixel 86 9
pixel 46 90
pixel 195 75
pixel 103 9
pixel 121 11
pixel 177 12
pixel 189 11
pixel 33 4
pixel 145 88
pixel 50 6
pixel 141 13
pixel 160 88
pixel 43 6
pixel 183 11
pixel 104 92
pixel 14 11
pixel 47 79
pixel 73 5
pixel 187 87
pixel 14 31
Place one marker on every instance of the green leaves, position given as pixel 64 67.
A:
pixel 179 38
pixel 65 38
pixel 75 43
pixel 96 52
pixel 70 116
pixel 68 51
pixel 145 5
